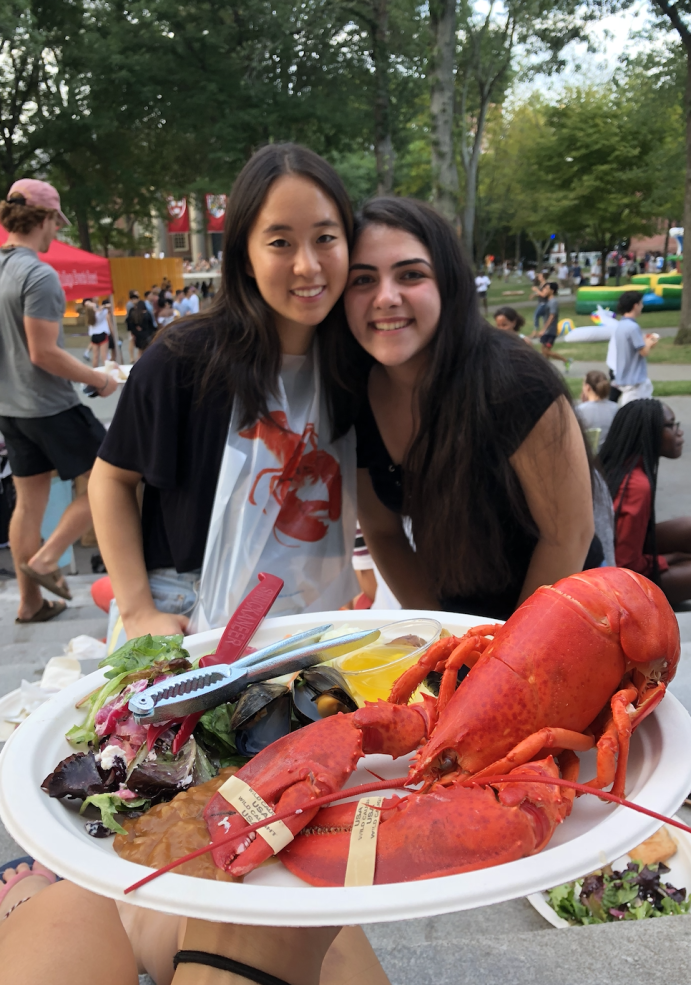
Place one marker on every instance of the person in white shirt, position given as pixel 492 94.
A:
pixel 482 283
pixel 563 275
pixel 190 301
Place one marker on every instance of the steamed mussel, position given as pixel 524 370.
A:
pixel 266 712
pixel 320 692
pixel 261 716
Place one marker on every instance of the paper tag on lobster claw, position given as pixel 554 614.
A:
pixel 253 808
pixel 362 853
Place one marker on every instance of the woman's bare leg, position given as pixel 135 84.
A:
pixel 674 536
pixel 674 542
pixel 294 954
pixel 65 935
pixel 155 937
pixel 351 961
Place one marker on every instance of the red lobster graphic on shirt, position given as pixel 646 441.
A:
pixel 302 519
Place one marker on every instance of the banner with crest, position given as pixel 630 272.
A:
pixel 215 212
pixel 179 218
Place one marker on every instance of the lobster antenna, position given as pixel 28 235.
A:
pixel 397 784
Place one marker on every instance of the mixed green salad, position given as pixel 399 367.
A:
pixel 122 766
pixel 605 897
pixel 118 766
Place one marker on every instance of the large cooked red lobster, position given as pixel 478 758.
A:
pixel 580 663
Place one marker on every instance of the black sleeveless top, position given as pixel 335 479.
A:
pixel 519 543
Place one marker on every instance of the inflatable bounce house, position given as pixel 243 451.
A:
pixel 661 292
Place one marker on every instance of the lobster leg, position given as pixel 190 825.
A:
pixel 466 653
pixel 525 751
pixel 615 739
pixel 411 679
pixel 436 658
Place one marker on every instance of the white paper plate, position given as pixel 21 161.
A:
pixel 679 874
pixel 596 833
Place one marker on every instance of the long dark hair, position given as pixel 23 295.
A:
pixel 516 320
pixel 635 436
pixel 458 457
pixel 234 343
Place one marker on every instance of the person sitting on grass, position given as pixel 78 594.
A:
pixel 549 330
pixel 641 432
pixel 596 410
pixel 508 319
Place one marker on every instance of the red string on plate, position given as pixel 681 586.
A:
pixel 398 784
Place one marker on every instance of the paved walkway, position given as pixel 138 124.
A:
pixel 656 371
pixel 505 944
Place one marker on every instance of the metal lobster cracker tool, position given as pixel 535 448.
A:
pixel 241 627
pixel 198 690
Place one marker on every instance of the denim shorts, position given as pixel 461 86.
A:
pixel 174 592
pixel 171 592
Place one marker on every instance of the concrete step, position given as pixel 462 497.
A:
pixel 650 952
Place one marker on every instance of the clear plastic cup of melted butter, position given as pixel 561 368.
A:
pixel 371 671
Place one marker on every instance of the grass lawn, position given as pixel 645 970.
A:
pixel 664 388
pixel 664 352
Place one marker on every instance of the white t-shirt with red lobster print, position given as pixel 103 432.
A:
pixel 284 504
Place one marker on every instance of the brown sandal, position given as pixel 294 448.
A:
pixel 49 610
pixel 53 582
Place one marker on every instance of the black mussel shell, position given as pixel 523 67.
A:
pixel 319 692
pixel 253 700
pixel 433 679
pixel 261 716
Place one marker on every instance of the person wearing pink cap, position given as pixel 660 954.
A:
pixel 43 422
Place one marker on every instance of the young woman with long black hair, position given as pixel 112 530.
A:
pixel 641 433
pixel 463 428
pixel 231 422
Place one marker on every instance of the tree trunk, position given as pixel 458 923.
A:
pixel 603 265
pixel 469 207
pixel 517 256
pixel 84 233
pixel 683 336
pixel 666 247
pixel 443 60
pixel 383 143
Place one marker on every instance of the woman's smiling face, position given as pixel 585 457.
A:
pixel 392 299
pixel 298 252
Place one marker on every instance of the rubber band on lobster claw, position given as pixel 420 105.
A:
pixel 366 788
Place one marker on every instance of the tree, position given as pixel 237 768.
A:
pixel 30 37
pixel 489 41
pixel 597 167
pixel 442 19
pixel 677 15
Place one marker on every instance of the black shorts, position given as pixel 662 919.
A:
pixel 68 442
pixel 100 338
pixel 548 340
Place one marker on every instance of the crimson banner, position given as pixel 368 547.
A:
pixel 215 212
pixel 179 215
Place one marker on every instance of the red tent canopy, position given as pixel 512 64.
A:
pixel 82 274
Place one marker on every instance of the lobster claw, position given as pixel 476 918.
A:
pixel 307 764
pixel 447 830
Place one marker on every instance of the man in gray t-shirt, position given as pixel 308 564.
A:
pixel 551 323
pixel 43 422
pixel 629 349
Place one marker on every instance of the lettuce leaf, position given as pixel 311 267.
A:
pixel 215 735
pixel 142 652
pixel 109 804
pixel 83 734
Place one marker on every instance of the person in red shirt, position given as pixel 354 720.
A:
pixel 642 432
